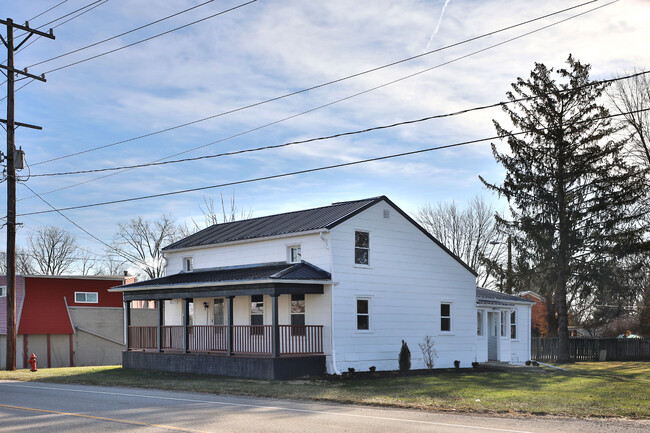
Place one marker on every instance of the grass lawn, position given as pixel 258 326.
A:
pixel 603 389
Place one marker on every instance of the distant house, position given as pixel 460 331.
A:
pixel 539 322
pixel 66 320
pixel 319 290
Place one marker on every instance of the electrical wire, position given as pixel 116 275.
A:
pixel 328 83
pixel 338 100
pixel 310 170
pixel 327 137
pixel 46 11
pixel 121 34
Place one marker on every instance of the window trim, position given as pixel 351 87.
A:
pixel 354 258
pixel 290 248
pixel 188 260
pixel 480 328
pixel 76 301
pixel 450 317
pixel 368 299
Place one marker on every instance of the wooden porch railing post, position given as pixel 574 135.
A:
pixel 275 326
pixel 229 333
pixel 159 334
pixel 127 309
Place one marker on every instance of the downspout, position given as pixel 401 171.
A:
pixel 327 245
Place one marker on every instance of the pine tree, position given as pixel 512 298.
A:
pixel 404 357
pixel 572 195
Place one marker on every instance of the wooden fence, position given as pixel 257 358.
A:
pixel 593 349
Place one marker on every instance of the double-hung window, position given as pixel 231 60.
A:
pixel 363 314
pixel 479 323
pixel 361 248
pixel 257 314
pixel 85 297
pixel 513 325
pixel 445 317
pixel 297 314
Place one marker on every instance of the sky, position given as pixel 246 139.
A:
pixel 267 49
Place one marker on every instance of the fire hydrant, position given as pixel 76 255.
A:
pixel 32 362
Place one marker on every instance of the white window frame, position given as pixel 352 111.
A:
pixel 504 323
pixel 85 301
pixel 513 325
pixel 354 254
pixel 450 317
pixel 188 264
pixel 368 299
pixel 3 291
pixel 290 249
pixel 480 322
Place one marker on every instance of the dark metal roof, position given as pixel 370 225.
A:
pixel 291 222
pixel 281 271
pixel 491 296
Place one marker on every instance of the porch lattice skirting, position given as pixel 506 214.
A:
pixel 267 368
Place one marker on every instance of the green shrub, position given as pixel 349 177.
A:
pixel 404 357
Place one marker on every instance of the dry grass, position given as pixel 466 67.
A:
pixel 588 389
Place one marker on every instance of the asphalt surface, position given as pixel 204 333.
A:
pixel 39 407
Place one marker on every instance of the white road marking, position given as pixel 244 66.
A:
pixel 260 406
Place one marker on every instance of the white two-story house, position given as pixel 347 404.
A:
pixel 319 290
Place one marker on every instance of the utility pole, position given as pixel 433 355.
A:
pixel 11 73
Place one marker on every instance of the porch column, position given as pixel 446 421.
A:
pixel 275 327
pixel 230 315
pixel 161 315
pixel 127 319
pixel 186 322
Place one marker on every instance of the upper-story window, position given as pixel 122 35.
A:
pixel 294 254
pixel 361 248
pixel 3 291
pixel 85 297
pixel 188 264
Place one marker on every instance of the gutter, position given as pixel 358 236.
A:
pixel 217 284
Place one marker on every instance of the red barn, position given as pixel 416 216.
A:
pixel 66 320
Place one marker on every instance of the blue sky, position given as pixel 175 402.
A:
pixel 268 49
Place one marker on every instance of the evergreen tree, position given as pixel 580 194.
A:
pixel 404 357
pixel 573 198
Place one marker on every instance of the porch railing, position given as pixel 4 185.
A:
pixel 247 339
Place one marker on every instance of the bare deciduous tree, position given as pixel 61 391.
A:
pixel 24 263
pixel 112 264
pixel 470 233
pixel 140 241
pixel 52 250
pixel 628 97
pixel 212 215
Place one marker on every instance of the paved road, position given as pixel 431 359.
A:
pixel 39 407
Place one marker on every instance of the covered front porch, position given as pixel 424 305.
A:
pixel 200 322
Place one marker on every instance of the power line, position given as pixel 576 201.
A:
pixel 338 80
pixel 327 137
pixel 122 34
pixel 310 170
pixel 330 103
pixel 121 253
pixel 46 11
pixel 150 38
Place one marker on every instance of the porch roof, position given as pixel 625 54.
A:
pixel 273 278
pixel 491 297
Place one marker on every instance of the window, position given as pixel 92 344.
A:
pixel 188 264
pixel 298 314
pixel 219 311
pixel 3 291
pixel 143 304
pixel 257 314
pixel 479 323
pixel 361 248
pixel 363 314
pixel 504 316
pixel 513 325
pixel 445 317
pixel 294 254
pixel 85 297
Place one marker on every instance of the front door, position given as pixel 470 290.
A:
pixel 493 340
